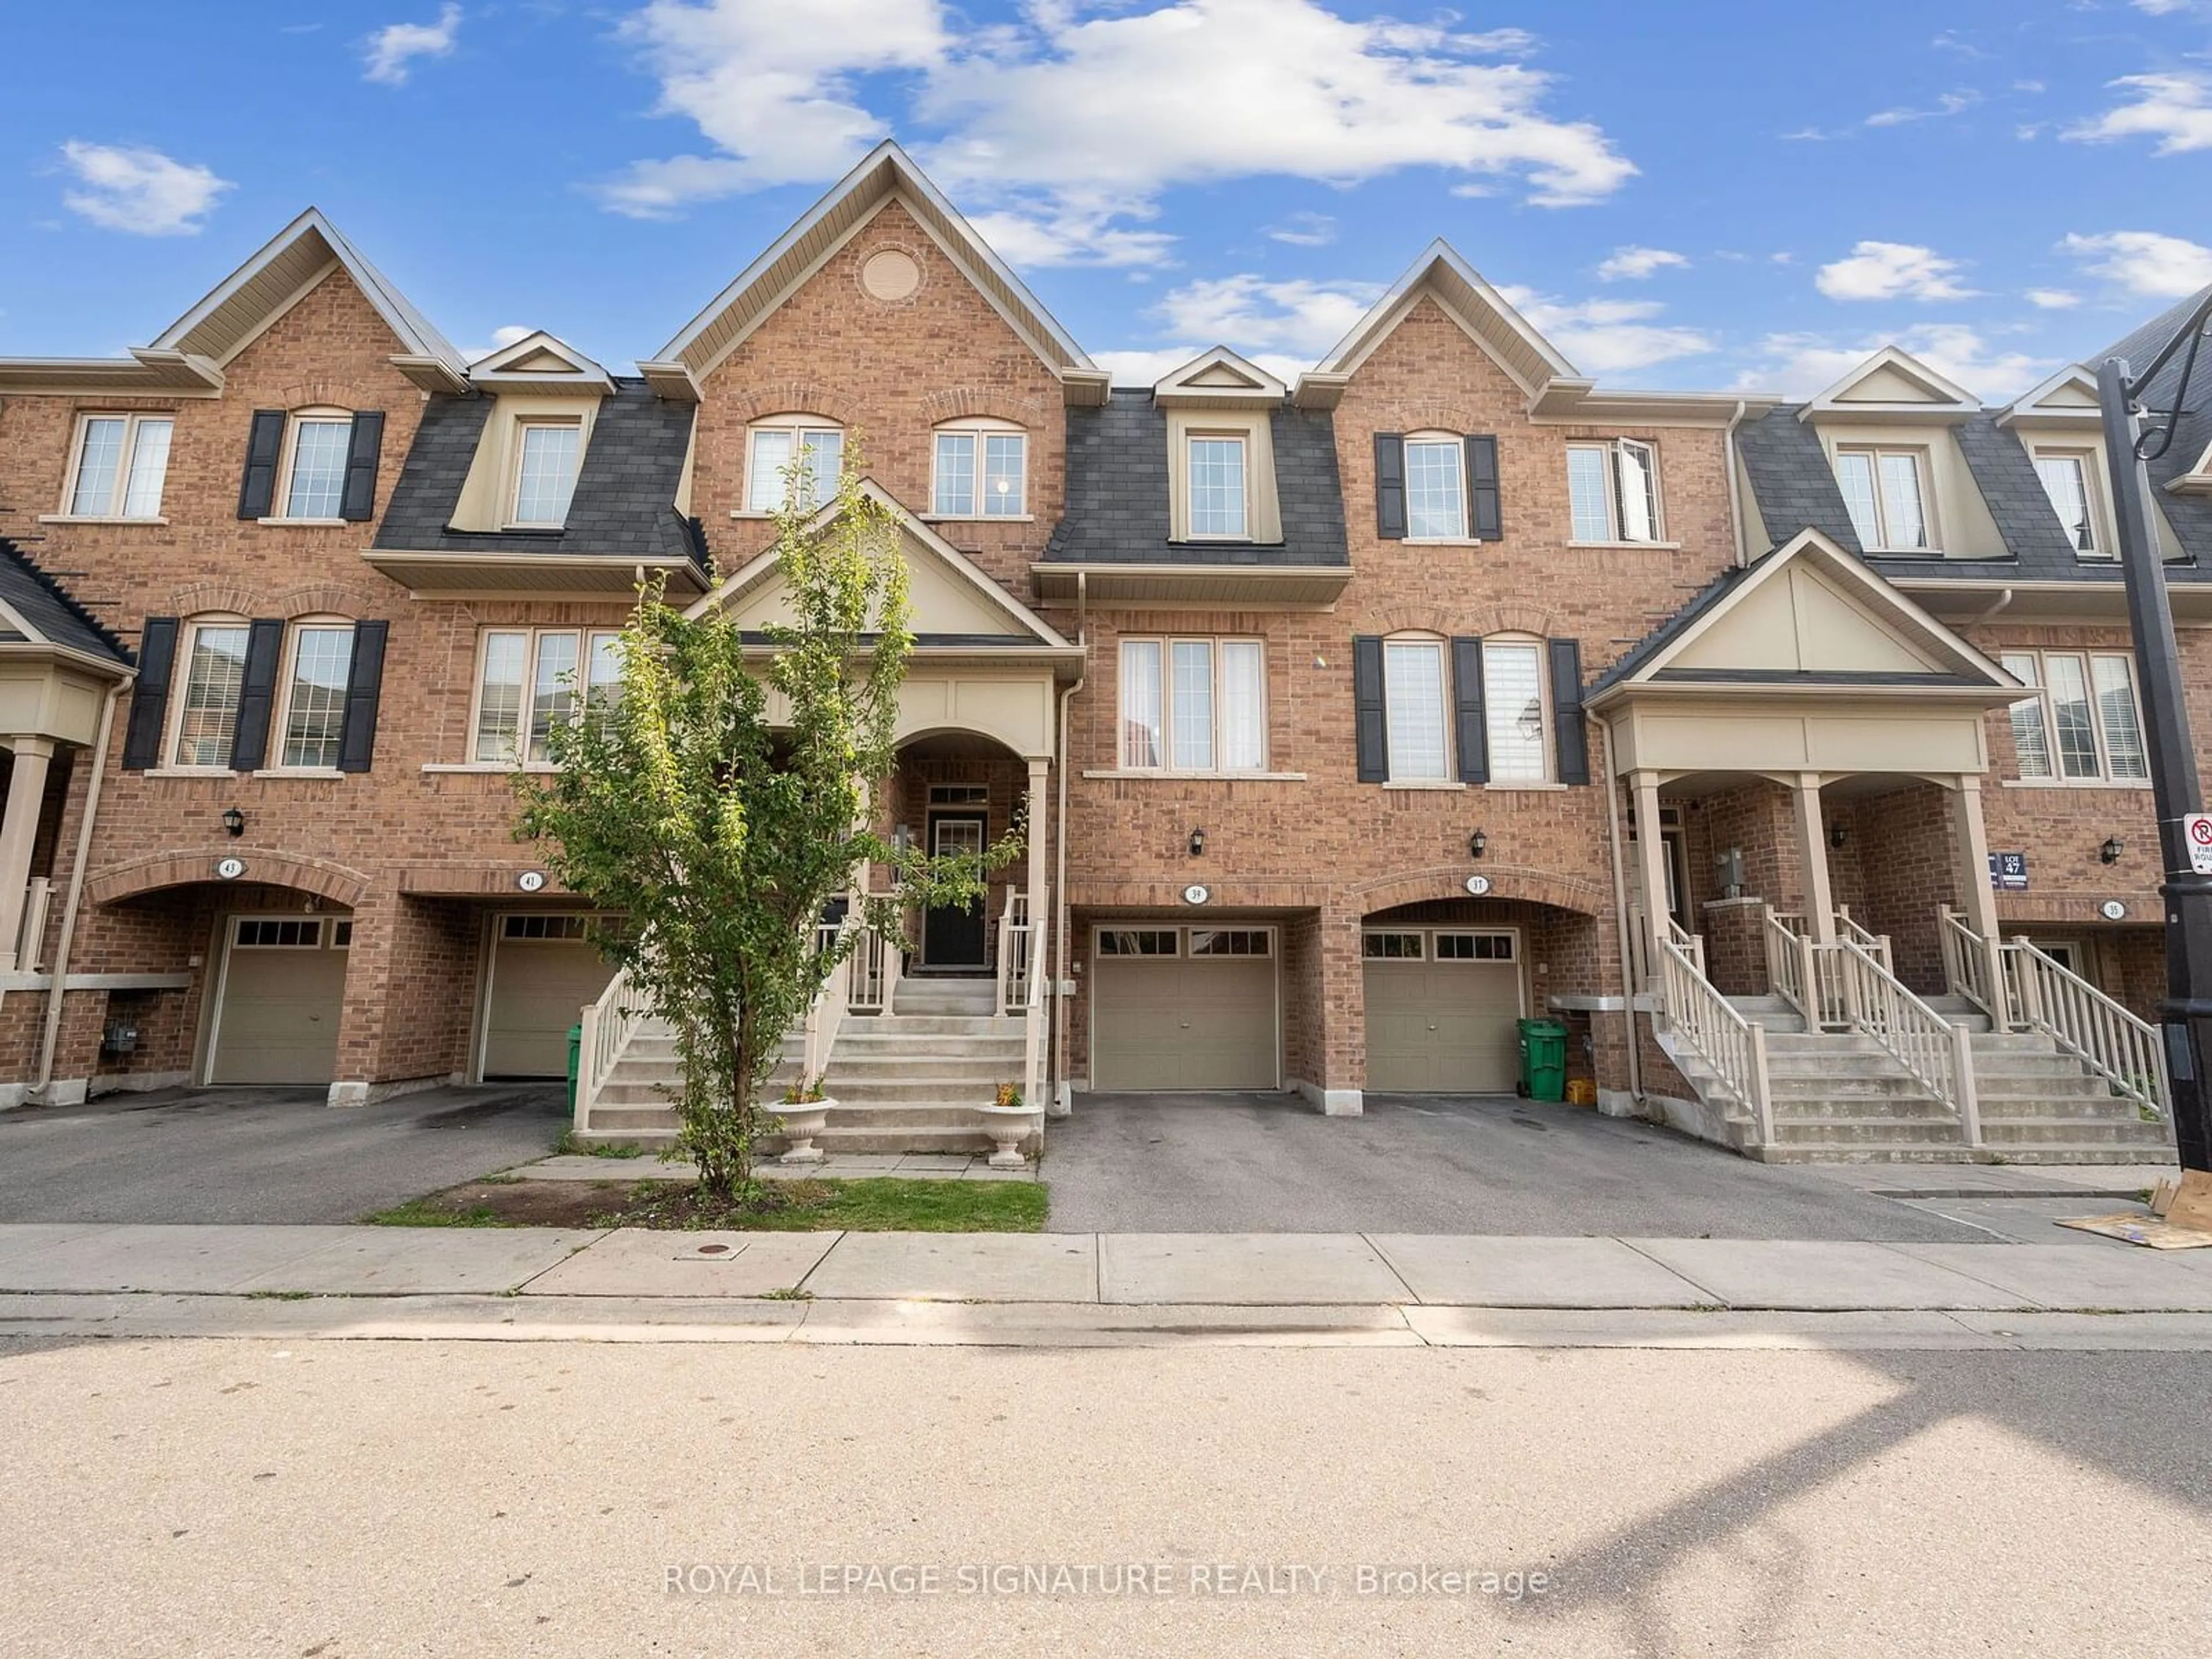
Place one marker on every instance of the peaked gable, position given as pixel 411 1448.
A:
pixel 540 362
pixel 1219 377
pixel 1894 383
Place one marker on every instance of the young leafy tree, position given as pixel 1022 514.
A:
pixel 727 793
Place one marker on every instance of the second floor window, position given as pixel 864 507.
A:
pixel 2085 728
pixel 2068 478
pixel 1435 488
pixel 1513 711
pixel 315 470
pixel 529 678
pixel 1195 705
pixel 1216 486
pixel 1413 711
pixel 1613 491
pixel 214 675
pixel 980 474
pixel 313 712
pixel 1885 491
pixel 776 447
pixel 121 461
pixel 545 472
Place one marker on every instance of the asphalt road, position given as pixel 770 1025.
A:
pixel 351 1499
pixel 274 1155
pixel 1424 1164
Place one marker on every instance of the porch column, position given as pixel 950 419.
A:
pixel 1976 896
pixel 19 827
pixel 1038 816
pixel 1813 854
pixel 1651 868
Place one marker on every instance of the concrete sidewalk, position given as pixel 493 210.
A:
pixel 1057 1288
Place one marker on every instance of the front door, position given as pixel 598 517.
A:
pixel 952 935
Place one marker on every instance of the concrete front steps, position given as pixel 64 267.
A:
pixel 1839 1097
pixel 908 1080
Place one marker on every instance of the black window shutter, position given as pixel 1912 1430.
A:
pixel 258 494
pixel 359 500
pixel 1483 515
pixel 1569 732
pixel 1372 728
pixel 1467 701
pixel 1390 486
pixel 150 698
pixel 357 738
pixel 257 695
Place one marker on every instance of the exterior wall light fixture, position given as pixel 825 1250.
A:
pixel 2111 851
pixel 1476 844
pixel 1198 844
pixel 233 822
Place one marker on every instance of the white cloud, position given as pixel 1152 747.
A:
pixel 1633 264
pixel 1608 337
pixel 1095 111
pixel 1253 314
pixel 1143 365
pixel 2174 108
pixel 1891 271
pixel 1951 103
pixel 1803 365
pixel 138 189
pixel 2163 8
pixel 2144 261
pixel 2053 298
pixel 501 338
pixel 1305 229
pixel 390 50
pixel 1063 233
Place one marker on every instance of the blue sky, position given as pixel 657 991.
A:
pixel 1711 195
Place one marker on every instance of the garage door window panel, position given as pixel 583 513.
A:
pixel 1137 941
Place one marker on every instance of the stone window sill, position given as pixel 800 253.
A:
pixel 1444 784
pixel 1641 547
pixel 310 523
pixel 487 767
pixel 1162 774
pixel 321 772
pixel 977 517
pixel 97 517
pixel 2135 784
pixel 189 772
pixel 1532 787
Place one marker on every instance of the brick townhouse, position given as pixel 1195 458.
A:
pixel 1349 720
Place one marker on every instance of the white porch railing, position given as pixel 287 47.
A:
pixel 1973 967
pixel 1014 951
pixel 1937 1053
pixel 827 1011
pixel 1036 1007
pixel 873 968
pixel 608 1024
pixel 1691 945
pixel 2125 1051
pixel 38 895
pixel 1734 1047
pixel 1876 945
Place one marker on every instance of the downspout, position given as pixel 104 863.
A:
pixel 1621 914
pixel 2003 600
pixel 1062 1102
pixel 1735 489
pixel 42 1083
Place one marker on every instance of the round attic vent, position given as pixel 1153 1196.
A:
pixel 891 276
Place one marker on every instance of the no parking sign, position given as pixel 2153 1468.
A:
pixel 2197 828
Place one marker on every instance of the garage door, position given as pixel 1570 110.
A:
pixel 284 988
pixel 542 973
pixel 1440 1005
pixel 1175 1008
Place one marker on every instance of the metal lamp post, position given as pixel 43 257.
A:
pixel 2185 1015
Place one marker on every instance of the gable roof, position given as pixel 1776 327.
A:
pixel 1893 383
pixel 1219 376
pixel 49 614
pixel 2071 396
pixel 539 362
pixel 1806 616
pixel 886 174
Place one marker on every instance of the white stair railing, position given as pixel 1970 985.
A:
pixel 1691 945
pixel 2125 1051
pixel 1973 968
pixel 1790 971
pixel 1734 1047
pixel 1876 945
pixel 873 967
pixel 1014 949
pixel 608 1024
pixel 1035 1006
pixel 827 1011
pixel 1937 1053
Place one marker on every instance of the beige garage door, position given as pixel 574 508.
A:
pixel 1440 1005
pixel 284 987
pixel 1176 1008
pixel 542 973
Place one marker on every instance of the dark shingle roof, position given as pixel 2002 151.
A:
pixel 625 496
pixel 49 608
pixel 1117 491
pixel 2005 474
pixel 1792 478
pixel 2190 515
pixel 1632 660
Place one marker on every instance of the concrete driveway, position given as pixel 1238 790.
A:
pixel 1267 1162
pixel 281 1155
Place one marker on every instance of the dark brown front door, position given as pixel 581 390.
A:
pixel 952 935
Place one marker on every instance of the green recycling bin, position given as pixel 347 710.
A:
pixel 1543 1059
pixel 576 1052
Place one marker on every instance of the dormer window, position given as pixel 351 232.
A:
pixel 2070 479
pixel 545 473
pixel 980 471
pixel 1886 490
pixel 1217 492
pixel 771 481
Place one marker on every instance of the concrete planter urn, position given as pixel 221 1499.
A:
pixel 1009 1122
pixel 802 1120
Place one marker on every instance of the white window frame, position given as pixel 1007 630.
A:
pixel 1924 475
pixel 585 636
pixel 1456 442
pixel 979 431
pixel 1614 450
pixel 1424 936
pixel 1546 742
pixel 2103 549
pixel 280 715
pixel 280 502
pixel 799 426
pixel 1448 776
pixel 173 724
pixel 2038 663
pixel 523 428
pixel 118 495
pixel 1165 644
pixel 1243 443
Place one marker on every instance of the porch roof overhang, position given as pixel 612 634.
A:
pixel 1761 685
pixel 1301 587
pixel 943 651
pixel 531 575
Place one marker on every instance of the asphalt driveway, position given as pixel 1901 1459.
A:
pixel 280 1155
pixel 1265 1162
